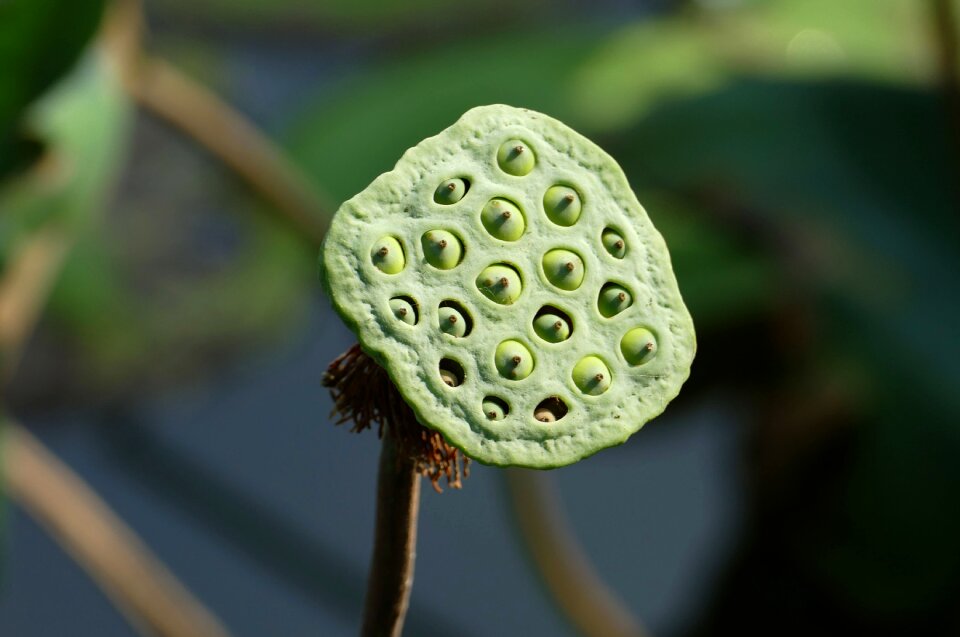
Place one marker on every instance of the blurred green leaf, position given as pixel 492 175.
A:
pixel 39 41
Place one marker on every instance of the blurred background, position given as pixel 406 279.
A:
pixel 166 173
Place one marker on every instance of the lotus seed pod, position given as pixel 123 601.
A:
pixel 562 205
pixel 513 360
pixel 503 219
pixel 500 283
pixel 639 346
pixel 510 286
pixel 403 310
pixel 591 376
pixel 613 300
pixel 441 249
pixel 515 158
pixel 494 408
pixel 387 255
pixel 563 268
pixel 551 328
pixel 450 192
pixel 452 322
pixel 614 243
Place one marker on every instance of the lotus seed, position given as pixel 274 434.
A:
pixel 494 408
pixel 450 192
pixel 451 372
pixel 500 283
pixel 515 158
pixel 513 360
pixel 591 376
pixel 639 345
pixel 543 414
pixel 551 327
pixel 503 219
pixel 562 205
pixel 563 268
pixel 452 322
pixel 613 300
pixel 614 243
pixel 387 255
pixel 403 310
pixel 449 378
pixel 442 249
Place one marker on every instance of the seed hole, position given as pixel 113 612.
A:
pixel 550 410
pixel 552 324
pixel 495 408
pixel 451 191
pixel 515 157
pixel 451 372
pixel 562 205
pixel 613 243
pixel 513 360
pixel 442 249
pixel 638 346
pixel 591 376
pixel 613 299
pixel 387 255
pixel 563 268
pixel 454 319
pixel 501 283
pixel 503 219
pixel 404 308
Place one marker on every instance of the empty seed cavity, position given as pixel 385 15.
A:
pixel 513 360
pixel 451 372
pixel 552 324
pixel 503 219
pixel 613 299
pixel 454 319
pixel 443 250
pixel 515 157
pixel 404 309
pixel 562 205
pixel 613 243
pixel 451 191
pixel 591 376
pixel 494 408
pixel 563 268
pixel 500 283
pixel 387 255
pixel 550 409
pixel 638 346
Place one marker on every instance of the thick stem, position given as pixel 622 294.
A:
pixel 395 541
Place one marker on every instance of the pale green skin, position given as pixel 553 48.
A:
pixel 400 203
pixel 562 205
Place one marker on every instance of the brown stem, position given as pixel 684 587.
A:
pixel 135 580
pixel 576 587
pixel 395 541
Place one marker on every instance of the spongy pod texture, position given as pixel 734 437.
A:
pixel 506 277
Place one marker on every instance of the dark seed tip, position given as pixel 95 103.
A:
pixel 516 360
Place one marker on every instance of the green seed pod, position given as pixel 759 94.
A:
pixel 403 310
pixel 515 158
pixel 563 268
pixel 614 243
pixel 494 408
pixel 551 327
pixel 503 219
pixel 639 346
pixel 562 205
pixel 452 322
pixel 387 255
pixel 591 376
pixel 442 249
pixel 450 192
pixel 500 283
pixel 614 299
pixel 513 360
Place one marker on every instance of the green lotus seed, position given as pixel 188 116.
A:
pixel 442 249
pixel 513 360
pixel 562 205
pixel 613 242
pixel 494 408
pixel 639 345
pixel 503 219
pixel 500 283
pixel 452 322
pixel 614 299
pixel 515 158
pixel 591 376
pixel 387 255
pixel 403 310
pixel 563 268
pixel 551 327
pixel 450 192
